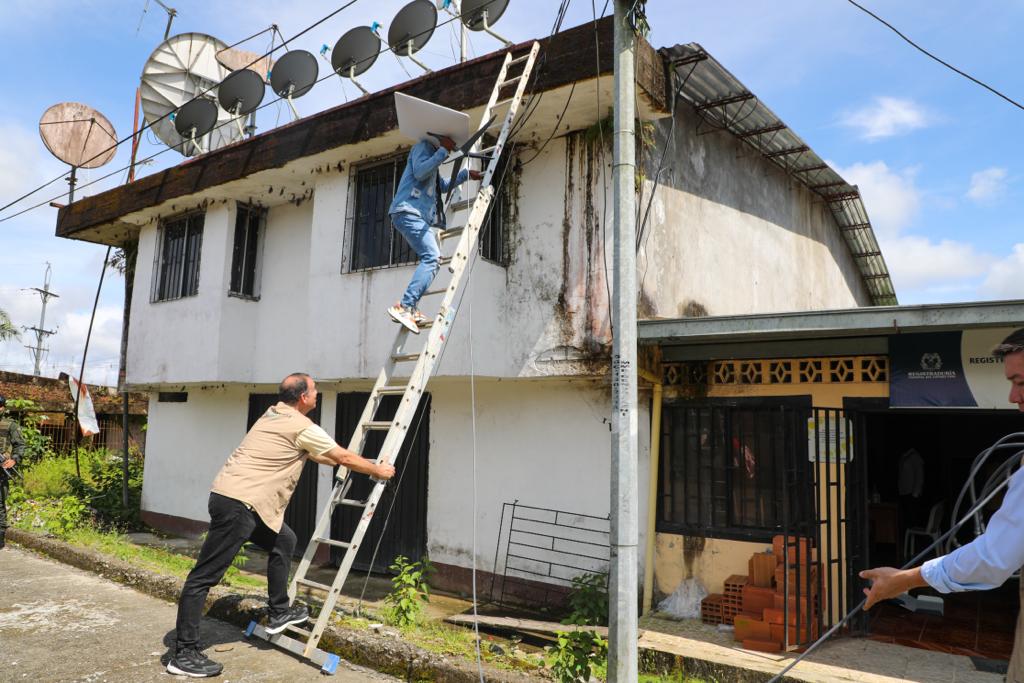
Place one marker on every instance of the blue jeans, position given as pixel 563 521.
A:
pixel 420 237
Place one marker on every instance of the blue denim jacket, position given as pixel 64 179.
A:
pixel 415 193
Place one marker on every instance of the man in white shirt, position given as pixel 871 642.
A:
pixel 990 559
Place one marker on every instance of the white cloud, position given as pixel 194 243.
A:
pixel 987 185
pixel 1004 280
pixel 886 117
pixel 916 262
pixel 892 199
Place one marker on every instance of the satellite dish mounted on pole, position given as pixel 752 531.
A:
pixel 79 136
pixel 412 27
pixel 480 15
pixel 354 53
pixel 293 76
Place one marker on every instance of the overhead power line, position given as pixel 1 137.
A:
pixel 937 59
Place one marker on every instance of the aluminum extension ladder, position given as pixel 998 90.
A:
pixel 298 640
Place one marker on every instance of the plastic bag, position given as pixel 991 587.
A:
pixel 684 603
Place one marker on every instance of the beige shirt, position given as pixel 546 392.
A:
pixel 265 468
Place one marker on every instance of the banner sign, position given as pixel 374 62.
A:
pixel 86 413
pixel 948 370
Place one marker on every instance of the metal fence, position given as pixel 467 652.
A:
pixel 541 550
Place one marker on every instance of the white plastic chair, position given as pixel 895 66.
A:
pixel 932 531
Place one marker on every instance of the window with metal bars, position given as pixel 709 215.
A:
pixel 375 242
pixel 726 468
pixel 246 255
pixel 176 267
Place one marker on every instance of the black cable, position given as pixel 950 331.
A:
pixel 147 125
pixel 1014 460
pixel 169 148
pixel 937 59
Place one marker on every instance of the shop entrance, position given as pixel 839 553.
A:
pixel 917 463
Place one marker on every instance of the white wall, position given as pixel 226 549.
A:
pixel 545 443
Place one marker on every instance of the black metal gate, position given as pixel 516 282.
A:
pixel 300 515
pixel 406 532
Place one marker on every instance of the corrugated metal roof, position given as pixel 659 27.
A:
pixel 725 103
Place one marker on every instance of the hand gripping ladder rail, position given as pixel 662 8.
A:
pixel 298 640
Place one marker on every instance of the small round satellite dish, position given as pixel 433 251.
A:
pixel 78 135
pixel 356 51
pixel 180 68
pixel 416 23
pixel 196 118
pixel 294 74
pixel 241 92
pixel 473 13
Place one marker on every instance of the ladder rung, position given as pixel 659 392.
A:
pixel 332 542
pixel 404 358
pixel 451 232
pixel 500 103
pixel 352 503
pixel 432 292
pixel 396 390
pixel 314 584
pixel 444 260
pixel 379 424
pixel 520 59
pixel 509 81
pixel 300 631
pixel 426 324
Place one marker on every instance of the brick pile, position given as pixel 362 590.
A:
pixel 755 604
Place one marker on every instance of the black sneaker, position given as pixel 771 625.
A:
pixel 192 662
pixel 296 614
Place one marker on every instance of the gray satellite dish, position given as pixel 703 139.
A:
pixel 240 94
pixel 194 120
pixel 480 15
pixel 293 76
pixel 354 53
pixel 412 28
pixel 79 136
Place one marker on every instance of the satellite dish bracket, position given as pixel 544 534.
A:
pixel 288 96
pixel 195 143
pixel 352 77
pixel 488 29
pixel 410 47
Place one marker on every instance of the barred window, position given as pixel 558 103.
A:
pixel 724 466
pixel 176 268
pixel 247 253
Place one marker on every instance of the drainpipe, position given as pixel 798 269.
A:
pixel 652 488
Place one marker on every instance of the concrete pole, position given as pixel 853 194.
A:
pixel 622 621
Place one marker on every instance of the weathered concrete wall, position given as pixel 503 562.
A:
pixel 730 233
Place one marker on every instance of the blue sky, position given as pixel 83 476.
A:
pixel 937 158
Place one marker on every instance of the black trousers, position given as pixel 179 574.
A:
pixel 232 523
pixel 3 505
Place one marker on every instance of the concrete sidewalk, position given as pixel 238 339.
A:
pixel 58 623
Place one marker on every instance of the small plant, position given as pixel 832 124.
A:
pixel 409 592
pixel 577 654
pixel 37 444
pixel 589 600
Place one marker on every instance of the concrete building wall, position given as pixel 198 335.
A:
pixel 730 233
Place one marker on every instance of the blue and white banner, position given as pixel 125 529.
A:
pixel 948 370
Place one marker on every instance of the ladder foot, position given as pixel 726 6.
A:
pixel 331 665
pixel 250 629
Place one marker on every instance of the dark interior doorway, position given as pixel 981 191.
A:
pixel 918 461
pixel 300 515
pixel 405 496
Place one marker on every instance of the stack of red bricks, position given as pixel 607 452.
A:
pixel 756 604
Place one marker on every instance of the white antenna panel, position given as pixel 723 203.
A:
pixel 179 69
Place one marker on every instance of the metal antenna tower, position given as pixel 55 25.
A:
pixel 41 332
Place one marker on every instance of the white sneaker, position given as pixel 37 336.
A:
pixel 401 315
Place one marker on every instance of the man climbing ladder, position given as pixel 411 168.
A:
pixel 409 384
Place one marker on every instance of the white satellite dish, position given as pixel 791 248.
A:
pixel 179 69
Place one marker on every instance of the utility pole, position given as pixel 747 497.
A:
pixel 41 332
pixel 622 620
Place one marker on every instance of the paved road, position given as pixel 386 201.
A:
pixel 58 623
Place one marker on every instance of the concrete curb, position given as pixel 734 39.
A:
pixel 380 651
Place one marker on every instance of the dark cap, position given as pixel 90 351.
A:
pixel 3 400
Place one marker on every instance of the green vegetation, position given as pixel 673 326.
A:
pixel 409 592
pixel 581 654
